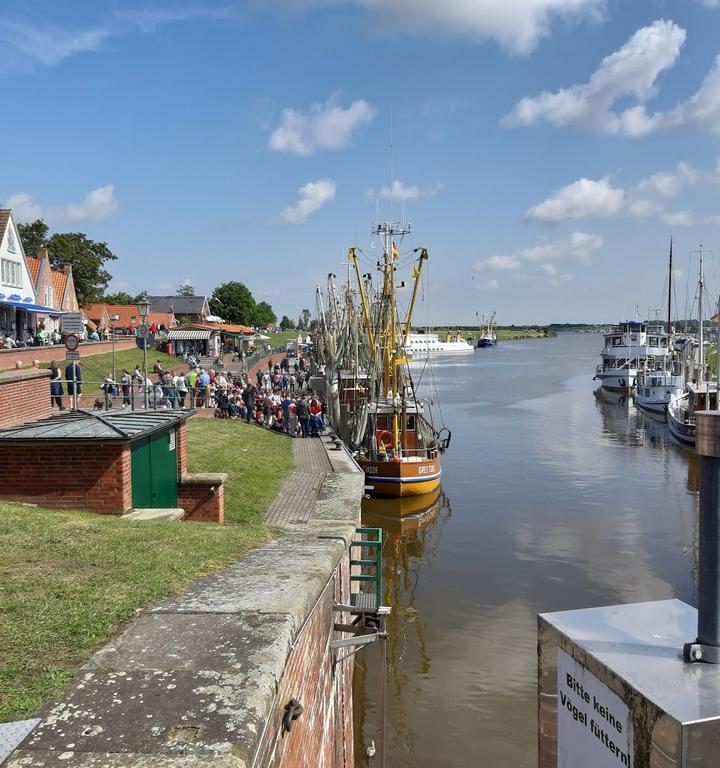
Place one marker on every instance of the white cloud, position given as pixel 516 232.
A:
pixel 98 204
pixel 540 257
pixel 631 72
pixel 490 285
pixel 323 126
pixel 398 190
pixel 311 197
pixel 587 199
pixel 582 199
pixel 49 45
pixel 517 25
pixel 679 218
pixel 499 262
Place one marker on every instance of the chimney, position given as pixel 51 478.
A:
pixel 42 253
pixel 67 269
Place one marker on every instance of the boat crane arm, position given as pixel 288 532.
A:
pixel 366 313
pixel 417 271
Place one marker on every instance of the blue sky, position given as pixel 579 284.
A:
pixel 543 150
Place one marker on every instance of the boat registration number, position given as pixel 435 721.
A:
pixel 426 470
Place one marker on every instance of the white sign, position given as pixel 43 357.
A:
pixel 72 355
pixel 594 725
pixel 71 322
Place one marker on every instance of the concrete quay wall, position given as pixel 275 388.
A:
pixel 204 677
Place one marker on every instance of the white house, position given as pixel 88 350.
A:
pixel 18 302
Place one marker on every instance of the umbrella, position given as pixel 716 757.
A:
pixel 214 319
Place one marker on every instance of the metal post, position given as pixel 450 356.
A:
pixel 75 392
pixel 145 343
pixel 113 352
pixel 707 646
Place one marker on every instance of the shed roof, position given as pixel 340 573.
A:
pixel 123 426
pixel 180 305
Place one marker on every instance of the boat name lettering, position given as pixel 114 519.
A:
pixel 371 470
pixel 426 470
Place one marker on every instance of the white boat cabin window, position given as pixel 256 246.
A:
pixel 410 423
pixel 616 341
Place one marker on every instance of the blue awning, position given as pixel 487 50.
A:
pixel 33 309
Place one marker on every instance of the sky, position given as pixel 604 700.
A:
pixel 543 151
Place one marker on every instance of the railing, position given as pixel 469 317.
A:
pixel 97 395
pixel 375 562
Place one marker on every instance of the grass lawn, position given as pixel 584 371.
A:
pixel 279 339
pixel 67 579
pixel 256 461
pixel 95 367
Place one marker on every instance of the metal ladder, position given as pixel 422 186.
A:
pixel 372 600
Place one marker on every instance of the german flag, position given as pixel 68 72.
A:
pixel 395 252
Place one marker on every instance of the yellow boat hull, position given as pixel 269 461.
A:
pixel 395 479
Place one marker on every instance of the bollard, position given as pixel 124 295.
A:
pixel 707 646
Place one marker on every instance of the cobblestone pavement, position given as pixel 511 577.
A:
pixel 296 501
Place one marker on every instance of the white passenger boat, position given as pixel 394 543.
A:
pixel 627 348
pixel 420 345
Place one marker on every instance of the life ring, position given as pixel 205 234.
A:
pixel 622 382
pixel 386 439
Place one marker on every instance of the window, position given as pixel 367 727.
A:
pixel 49 296
pixel 11 273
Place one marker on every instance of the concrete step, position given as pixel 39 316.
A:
pixel 154 514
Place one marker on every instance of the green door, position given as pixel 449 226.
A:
pixel 154 472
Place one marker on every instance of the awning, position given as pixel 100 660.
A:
pixel 33 309
pixel 175 334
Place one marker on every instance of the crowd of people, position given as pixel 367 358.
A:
pixel 278 398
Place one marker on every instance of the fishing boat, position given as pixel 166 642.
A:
pixel 420 345
pixel 626 350
pixel 660 378
pixel 699 394
pixel 488 332
pixel 393 436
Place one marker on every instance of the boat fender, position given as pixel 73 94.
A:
pixel 293 710
pixel 386 438
pixel 622 382
pixel 444 442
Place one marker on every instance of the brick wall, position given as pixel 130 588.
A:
pixel 45 354
pixel 24 396
pixel 276 359
pixel 92 476
pixel 200 503
pixel 323 735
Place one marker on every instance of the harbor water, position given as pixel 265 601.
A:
pixel 554 497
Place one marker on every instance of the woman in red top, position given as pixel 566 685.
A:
pixel 316 424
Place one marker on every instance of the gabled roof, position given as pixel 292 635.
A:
pixel 34 268
pixel 59 279
pixel 4 218
pixel 180 305
pixel 95 312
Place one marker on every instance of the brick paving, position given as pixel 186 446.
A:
pixel 296 501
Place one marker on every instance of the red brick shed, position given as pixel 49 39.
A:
pixel 102 462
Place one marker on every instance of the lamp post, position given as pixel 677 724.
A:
pixel 143 308
pixel 114 319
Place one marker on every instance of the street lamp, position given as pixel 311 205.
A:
pixel 143 308
pixel 114 319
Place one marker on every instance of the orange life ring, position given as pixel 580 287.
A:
pixel 386 438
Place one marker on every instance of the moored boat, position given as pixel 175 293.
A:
pixel 488 332
pixel 419 345
pixel 393 439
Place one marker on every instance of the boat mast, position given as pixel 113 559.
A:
pixel 701 373
pixel 669 320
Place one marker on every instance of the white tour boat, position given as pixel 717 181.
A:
pixel 626 350
pixel 422 344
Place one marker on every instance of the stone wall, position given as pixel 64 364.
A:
pixel 92 476
pixel 24 396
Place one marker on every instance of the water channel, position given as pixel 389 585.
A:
pixel 554 497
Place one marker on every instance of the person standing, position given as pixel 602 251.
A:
pixel 73 376
pixel 248 397
pixel 125 386
pixel 181 388
pixel 292 418
pixel 56 387
pixel 303 413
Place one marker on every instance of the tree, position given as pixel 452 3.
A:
pixel 121 297
pixel 88 260
pixel 286 324
pixel 140 297
pixel 186 289
pixel 33 236
pixel 304 319
pixel 264 315
pixel 234 303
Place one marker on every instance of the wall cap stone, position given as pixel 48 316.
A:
pixel 203 478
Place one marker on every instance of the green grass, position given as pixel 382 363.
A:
pixel 279 339
pixel 68 579
pixel 96 367
pixel 256 461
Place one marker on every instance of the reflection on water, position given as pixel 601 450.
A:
pixel 562 497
